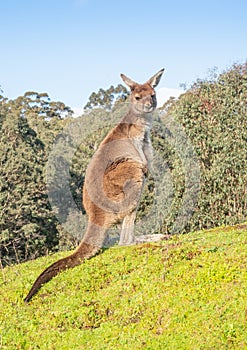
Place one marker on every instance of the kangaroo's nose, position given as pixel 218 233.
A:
pixel 149 102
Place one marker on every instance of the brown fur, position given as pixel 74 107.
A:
pixel 114 179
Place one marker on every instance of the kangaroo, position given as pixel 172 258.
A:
pixel 114 179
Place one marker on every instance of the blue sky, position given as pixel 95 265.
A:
pixel 70 48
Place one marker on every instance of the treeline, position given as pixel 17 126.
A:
pixel 199 178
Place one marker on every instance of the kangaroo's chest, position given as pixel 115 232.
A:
pixel 138 143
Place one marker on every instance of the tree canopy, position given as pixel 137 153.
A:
pixel 107 98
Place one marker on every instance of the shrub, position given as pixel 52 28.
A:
pixel 214 115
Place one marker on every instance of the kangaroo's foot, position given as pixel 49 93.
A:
pixel 150 238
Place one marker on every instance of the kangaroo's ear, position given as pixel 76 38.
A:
pixel 131 84
pixel 154 81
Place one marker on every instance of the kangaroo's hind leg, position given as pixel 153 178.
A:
pixel 127 233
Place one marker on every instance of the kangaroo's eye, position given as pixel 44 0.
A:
pixel 137 97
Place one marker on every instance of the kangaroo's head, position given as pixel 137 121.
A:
pixel 143 97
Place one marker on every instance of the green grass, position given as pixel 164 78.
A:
pixel 189 292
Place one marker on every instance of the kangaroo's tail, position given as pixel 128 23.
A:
pixel 87 249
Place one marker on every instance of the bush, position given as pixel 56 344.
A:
pixel 213 114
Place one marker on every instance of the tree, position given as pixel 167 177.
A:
pixel 40 104
pixel 28 227
pixel 28 127
pixel 107 98
pixel 214 115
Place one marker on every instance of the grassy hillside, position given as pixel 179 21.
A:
pixel 189 292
